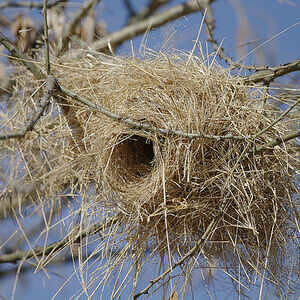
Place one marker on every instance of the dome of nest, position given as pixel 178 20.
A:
pixel 192 162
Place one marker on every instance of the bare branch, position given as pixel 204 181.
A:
pixel 156 20
pixel 277 141
pixel 210 27
pixel 29 4
pixel 51 87
pixel 130 8
pixel 153 6
pixel 270 74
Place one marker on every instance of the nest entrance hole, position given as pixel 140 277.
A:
pixel 135 156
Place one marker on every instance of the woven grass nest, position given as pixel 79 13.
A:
pixel 168 188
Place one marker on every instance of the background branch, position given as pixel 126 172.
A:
pixel 29 4
pixel 138 28
pixel 153 6
pixel 130 8
pixel 210 27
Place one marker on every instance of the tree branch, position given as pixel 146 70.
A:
pixel 277 141
pixel 130 8
pixel 156 20
pixel 146 127
pixel 210 27
pixel 153 6
pixel 269 74
pixel 29 4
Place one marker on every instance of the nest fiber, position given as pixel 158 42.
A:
pixel 170 187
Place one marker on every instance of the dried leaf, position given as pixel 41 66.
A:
pixel 25 32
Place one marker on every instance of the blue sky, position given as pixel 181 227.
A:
pixel 265 19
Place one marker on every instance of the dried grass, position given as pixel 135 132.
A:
pixel 168 189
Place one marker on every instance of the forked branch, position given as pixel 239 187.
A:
pixel 277 141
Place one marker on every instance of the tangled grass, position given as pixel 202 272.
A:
pixel 165 188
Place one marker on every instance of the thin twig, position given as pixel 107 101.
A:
pixel 130 8
pixel 199 243
pixel 51 88
pixel 29 4
pixel 152 7
pixel 61 244
pixel 46 39
pixel 59 260
pixel 71 26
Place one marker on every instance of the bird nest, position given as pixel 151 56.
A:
pixel 191 161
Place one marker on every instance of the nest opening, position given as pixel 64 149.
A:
pixel 135 156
